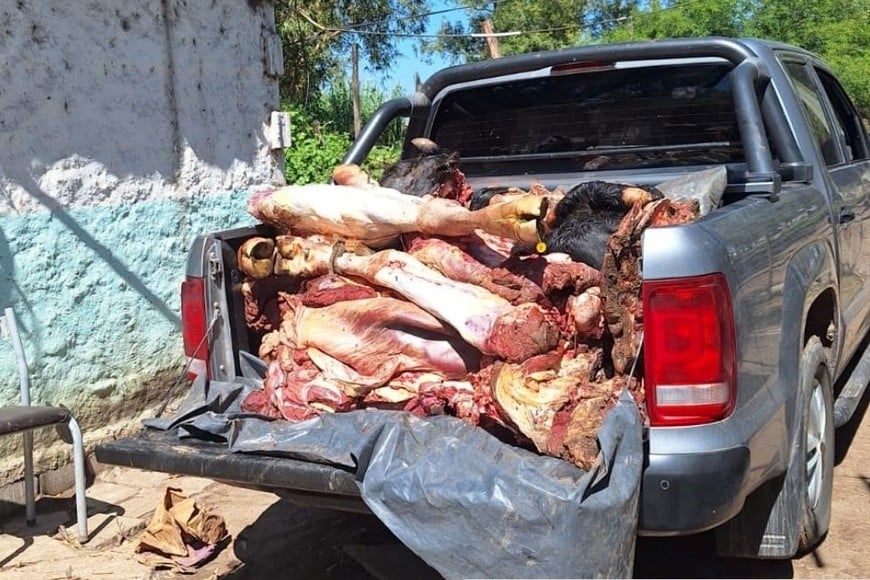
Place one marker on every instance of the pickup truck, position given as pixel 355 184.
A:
pixel 741 426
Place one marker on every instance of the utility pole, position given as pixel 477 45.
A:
pixel 354 90
pixel 491 41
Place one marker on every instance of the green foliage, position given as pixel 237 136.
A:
pixel 836 30
pixel 663 19
pixel 380 158
pixel 847 50
pixel 316 149
pixel 561 19
pixel 316 63
pixel 334 106
pixel 314 50
pixel 323 132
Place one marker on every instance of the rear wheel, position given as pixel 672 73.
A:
pixel 791 514
pixel 816 441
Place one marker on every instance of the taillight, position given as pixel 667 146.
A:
pixel 194 324
pixel 689 350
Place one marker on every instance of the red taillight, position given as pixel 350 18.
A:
pixel 689 352
pixel 194 324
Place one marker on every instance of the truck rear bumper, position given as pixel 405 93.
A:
pixel 684 494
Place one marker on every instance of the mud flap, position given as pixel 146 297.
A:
pixel 468 504
pixel 767 527
pixel 771 522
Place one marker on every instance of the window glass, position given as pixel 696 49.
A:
pixel 599 119
pixel 847 120
pixel 814 111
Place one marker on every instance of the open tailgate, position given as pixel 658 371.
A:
pixel 163 451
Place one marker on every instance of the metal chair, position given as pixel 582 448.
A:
pixel 25 418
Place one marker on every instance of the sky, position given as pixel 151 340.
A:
pixel 402 72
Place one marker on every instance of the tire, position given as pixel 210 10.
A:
pixel 812 469
pixel 790 515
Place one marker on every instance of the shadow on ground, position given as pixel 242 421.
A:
pixel 695 557
pixel 51 514
pixel 314 543
pixel 326 544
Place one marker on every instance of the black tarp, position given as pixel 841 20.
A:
pixel 468 504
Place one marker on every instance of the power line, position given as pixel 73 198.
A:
pixel 424 14
pixel 354 28
pixel 480 35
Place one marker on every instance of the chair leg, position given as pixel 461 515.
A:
pixel 24 381
pixel 80 481
pixel 29 491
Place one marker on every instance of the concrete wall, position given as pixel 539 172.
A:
pixel 126 129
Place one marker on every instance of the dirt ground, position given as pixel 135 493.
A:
pixel 272 537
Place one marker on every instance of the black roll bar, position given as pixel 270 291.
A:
pixel 399 107
pixel 749 80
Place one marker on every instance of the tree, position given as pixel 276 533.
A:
pixel 836 30
pixel 603 16
pixel 316 42
pixel 669 19
pixel 544 26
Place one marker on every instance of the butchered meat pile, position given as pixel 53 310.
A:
pixel 516 310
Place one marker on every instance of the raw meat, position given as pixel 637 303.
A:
pixel 585 314
pixel 330 358
pixel 498 316
pixel 369 341
pixel 554 272
pixel 433 171
pixel 622 275
pixel 532 399
pixel 588 215
pixel 263 301
pixel 486 321
pixel 255 258
pixel 375 215
pixel 486 248
pixel 454 263
pixel 329 289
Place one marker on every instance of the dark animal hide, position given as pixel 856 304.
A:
pixel 588 215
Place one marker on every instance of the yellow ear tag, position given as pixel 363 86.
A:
pixel 541 247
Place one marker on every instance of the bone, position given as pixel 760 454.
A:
pixel 376 216
pixel 255 258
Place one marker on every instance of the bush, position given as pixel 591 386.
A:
pixel 314 152
pixel 323 132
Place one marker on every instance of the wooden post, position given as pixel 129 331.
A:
pixel 354 90
pixel 491 41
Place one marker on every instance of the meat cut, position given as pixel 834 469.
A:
pixel 376 216
pixel 485 320
pixel 517 311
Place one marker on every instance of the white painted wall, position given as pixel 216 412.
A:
pixel 108 101
pixel 127 128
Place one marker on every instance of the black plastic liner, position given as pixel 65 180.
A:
pixel 468 504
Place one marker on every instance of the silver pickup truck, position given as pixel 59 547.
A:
pixel 756 316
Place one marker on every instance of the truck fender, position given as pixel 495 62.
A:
pixel 767 527
pixel 810 274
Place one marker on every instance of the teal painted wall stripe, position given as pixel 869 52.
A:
pixel 96 292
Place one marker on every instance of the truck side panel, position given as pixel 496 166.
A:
pixel 776 267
